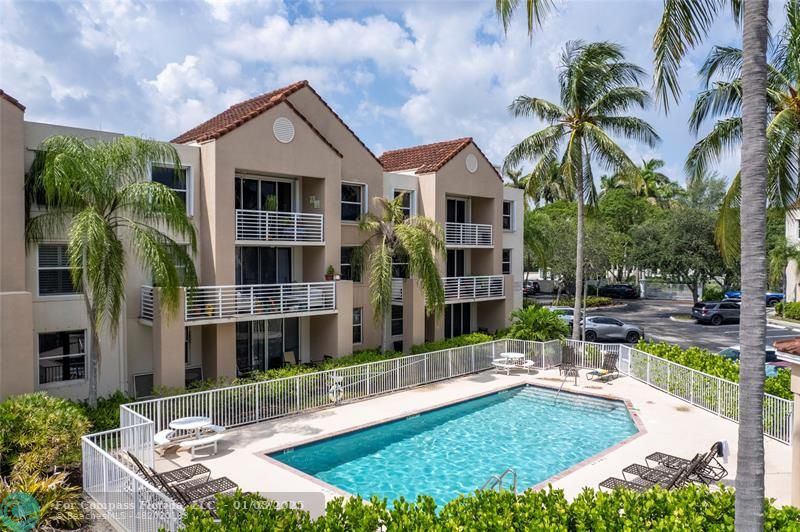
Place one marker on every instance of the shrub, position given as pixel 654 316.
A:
pixel 59 503
pixel 689 508
pixel 591 302
pixel 40 431
pixel 537 323
pixel 779 308
pixel 708 362
pixel 791 310
pixel 450 343
pixel 105 416
pixel 713 292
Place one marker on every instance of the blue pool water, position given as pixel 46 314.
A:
pixel 455 449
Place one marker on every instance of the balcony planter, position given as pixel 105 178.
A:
pixel 330 273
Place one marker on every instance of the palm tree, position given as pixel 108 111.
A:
pixel 518 181
pixel 597 86
pixel 418 239
pixel 684 24
pixel 549 185
pixel 780 255
pixel 648 182
pixel 98 195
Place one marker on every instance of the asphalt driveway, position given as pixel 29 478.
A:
pixel 654 317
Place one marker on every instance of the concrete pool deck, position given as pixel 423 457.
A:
pixel 666 424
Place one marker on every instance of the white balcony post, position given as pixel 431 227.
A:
pixel 219 302
pixel 280 298
pixel 308 297
pixel 252 302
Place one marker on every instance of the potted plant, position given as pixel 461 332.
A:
pixel 330 273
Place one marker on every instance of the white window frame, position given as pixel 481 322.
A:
pixel 364 200
pixel 412 200
pixel 189 184
pixel 66 295
pixel 510 261
pixel 39 358
pixel 360 324
pixel 511 225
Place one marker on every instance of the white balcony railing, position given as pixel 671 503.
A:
pixel 273 226
pixel 473 288
pixel 146 309
pixel 215 304
pixel 468 235
pixel 397 291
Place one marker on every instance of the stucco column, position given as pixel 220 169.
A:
pixel 169 337
pixel 795 480
pixel 219 350
pixel 17 355
pixel 413 315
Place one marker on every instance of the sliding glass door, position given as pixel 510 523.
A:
pixel 263 265
pixel 263 194
pixel 457 319
pixel 265 344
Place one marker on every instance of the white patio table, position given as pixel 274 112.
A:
pixel 193 423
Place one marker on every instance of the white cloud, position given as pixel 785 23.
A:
pixel 30 78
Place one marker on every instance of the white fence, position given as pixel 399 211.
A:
pixel 472 288
pixel 467 235
pixel 213 304
pixel 132 504
pixel 651 289
pixel 146 303
pixel 274 226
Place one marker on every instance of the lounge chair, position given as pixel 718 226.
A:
pixel 710 470
pixel 678 478
pixel 608 370
pixel 183 484
pixel 568 361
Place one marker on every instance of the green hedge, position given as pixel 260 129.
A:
pixel 591 302
pixel 450 343
pixel 788 310
pixel 690 508
pixel 713 364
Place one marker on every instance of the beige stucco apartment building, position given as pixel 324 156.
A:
pixel 274 186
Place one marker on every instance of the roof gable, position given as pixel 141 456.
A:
pixel 428 158
pixel 236 115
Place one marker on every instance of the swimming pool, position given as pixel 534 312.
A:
pixel 455 449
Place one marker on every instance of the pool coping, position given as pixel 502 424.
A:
pixel 640 431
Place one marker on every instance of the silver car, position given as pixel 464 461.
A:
pixel 608 328
pixel 565 313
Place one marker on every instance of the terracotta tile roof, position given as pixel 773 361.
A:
pixel 791 346
pixel 425 158
pixel 10 99
pixel 238 114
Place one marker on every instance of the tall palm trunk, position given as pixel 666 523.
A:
pixel 752 327
pixel 577 321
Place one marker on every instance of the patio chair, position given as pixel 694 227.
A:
pixel 710 470
pixel 190 488
pixel 569 360
pixel 608 370
pixel 678 478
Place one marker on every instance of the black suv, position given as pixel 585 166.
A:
pixel 618 291
pixel 716 312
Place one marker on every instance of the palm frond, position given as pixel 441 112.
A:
pixel 629 127
pixel 536 11
pixel 724 98
pixel 535 146
pixel 526 106
pixel 724 138
pixel 728 230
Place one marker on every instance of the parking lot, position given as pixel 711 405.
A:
pixel 654 317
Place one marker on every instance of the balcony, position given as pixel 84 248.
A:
pixel 467 235
pixel 221 304
pixel 397 291
pixel 466 289
pixel 224 304
pixel 279 228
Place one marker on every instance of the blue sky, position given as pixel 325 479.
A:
pixel 399 73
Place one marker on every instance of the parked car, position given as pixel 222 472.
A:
pixel 772 363
pixel 618 291
pixel 716 312
pixel 530 288
pixel 608 328
pixel 565 313
pixel 771 297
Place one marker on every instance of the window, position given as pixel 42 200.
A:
pixel 187 346
pixel 397 320
pixel 62 356
pixel 55 274
pixel 353 201
pixel 175 178
pixel 193 375
pixel 408 202
pixel 350 268
pixel 358 336
pixel 508 216
pixel 143 385
pixel 400 267
pixel 506 261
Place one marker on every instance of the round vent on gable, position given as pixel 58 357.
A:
pixel 283 129
pixel 472 163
